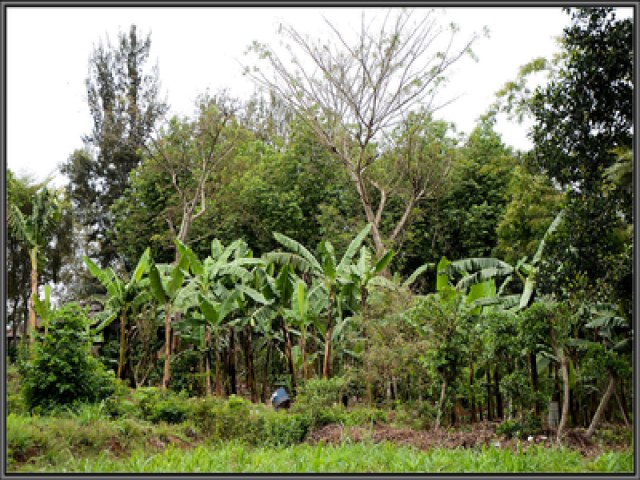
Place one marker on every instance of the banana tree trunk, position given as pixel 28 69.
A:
pixel 597 418
pixel 34 294
pixel 288 351
pixel 265 374
pixel 251 373
pixel 303 349
pixel 327 341
pixel 207 360
pixel 219 392
pixel 123 332
pixel 232 362
pixel 167 349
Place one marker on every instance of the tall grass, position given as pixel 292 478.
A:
pixel 347 458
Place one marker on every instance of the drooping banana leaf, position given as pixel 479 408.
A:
pixel 298 249
pixel 417 272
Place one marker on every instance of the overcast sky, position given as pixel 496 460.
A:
pixel 202 48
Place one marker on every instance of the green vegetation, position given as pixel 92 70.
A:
pixel 346 458
pixel 61 369
pixel 398 279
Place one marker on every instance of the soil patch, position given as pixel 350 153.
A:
pixel 480 434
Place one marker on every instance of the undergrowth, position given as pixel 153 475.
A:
pixel 385 457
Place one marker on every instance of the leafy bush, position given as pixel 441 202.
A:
pixel 121 403
pixel 60 369
pixel 185 376
pixel 418 414
pixel 238 419
pixel 15 399
pixel 158 405
pixel 320 399
pixel 519 428
pixel 359 416
pixel 283 429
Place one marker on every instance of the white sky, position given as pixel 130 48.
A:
pixel 202 48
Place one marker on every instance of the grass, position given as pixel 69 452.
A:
pixel 385 457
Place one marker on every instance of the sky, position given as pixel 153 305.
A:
pixel 203 48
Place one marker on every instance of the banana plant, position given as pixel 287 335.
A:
pixel 212 292
pixel 124 296
pixel 44 308
pixel 34 232
pixel 531 270
pixel 330 273
pixel 165 284
pixel 250 303
pixel 306 306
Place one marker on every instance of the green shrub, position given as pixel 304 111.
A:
pixel 23 438
pixel 320 399
pixel 158 405
pixel 120 403
pixel 60 369
pixel 238 419
pixel 283 429
pixel 419 415
pixel 203 413
pixel 185 376
pixel 15 399
pixel 519 428
pixel 359 416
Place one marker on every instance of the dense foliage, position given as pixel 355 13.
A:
pixel 394 270
pixel 61 369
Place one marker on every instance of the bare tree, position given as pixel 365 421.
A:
pixel 352 94
pixel 189 152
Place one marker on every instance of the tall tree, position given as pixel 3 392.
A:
pixel 583 117
pixel 189 152
pixel 351 93
pixel 123 98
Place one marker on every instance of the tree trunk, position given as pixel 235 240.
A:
pixel 232 362
pixel 123 333
pixel 443 392
pixel 533 365
pixel 564 367
pixel 207 362
pixel 489 399
pixel 288 350
pixel 219 392
pixel 303 349
pixel 356 177
pixel 251 373
pixel 167 348
pixel 499 403
pixel 623 410
pixel 602 407
pixel 34 294
pixel 14 323
pixel 265 374
pixel 473 395
pixel 327 341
